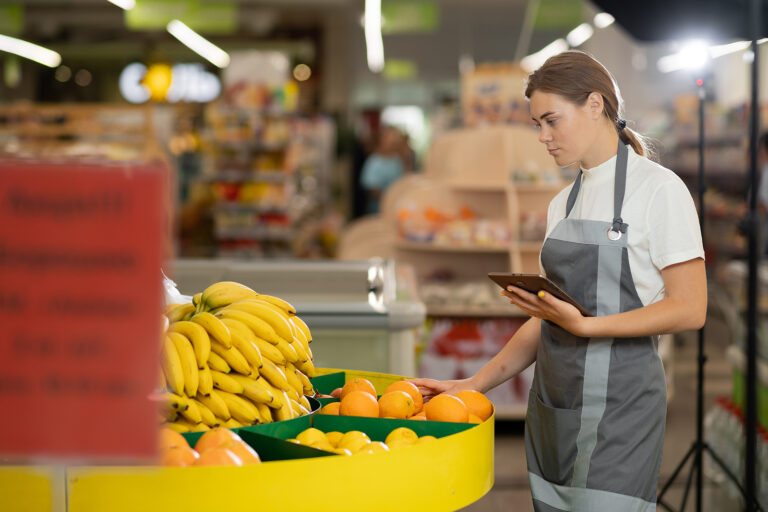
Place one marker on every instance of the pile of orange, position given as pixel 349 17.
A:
pixel 403 400
pixel 216 447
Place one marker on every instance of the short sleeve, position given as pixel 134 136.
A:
pixel 372 175
pixel 673 226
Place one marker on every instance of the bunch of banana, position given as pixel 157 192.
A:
pixel 234 358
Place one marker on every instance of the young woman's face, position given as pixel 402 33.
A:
pixel 565 128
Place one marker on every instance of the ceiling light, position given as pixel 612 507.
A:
pixel 374 44
pixel 603 19
pixel 124 4
pixel 30 51
pixel 692 55
pixel 725 49
pixel 534 61
pixel 198 44
pixel 579 35
pixel 302 72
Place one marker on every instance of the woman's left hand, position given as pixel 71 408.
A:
pixel 548 307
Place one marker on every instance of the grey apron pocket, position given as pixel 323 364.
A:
pixel 551 440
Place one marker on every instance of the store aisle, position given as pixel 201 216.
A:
pixel 510 491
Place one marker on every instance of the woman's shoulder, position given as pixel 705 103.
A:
pixel 646 173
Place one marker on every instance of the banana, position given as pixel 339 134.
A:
pixel 201 342
pixel 279 311
pixel 175 402
pixel 285 306
pixel 261 310
pixel 265 412
pixel 302 326
pixel 179 311
pixel 217 330
pixel 224 293
pixel 288 351
pixel 301 337
pixel 285 412
pixel 178 427
pixel 307 367
pixel 301 352
pixel 243 340
pixel 233 423
pixel 171 364
pixel 307 388
pixel 206 414
pixel 234 358
pixel 205 381
pixel 200 427
pixel 269 351
pixel 275 393
pixel 190 426
pixel 196 300
pixel 298 409
pixel 225 382
pixel 242 410
pixel 253 391
pixel 294 395
pixel 293 379
pixel 168 414
pixel 192 413
pixel 275 375
pixel 188 362
pixel 216 362
pixel 216 404
pixel 259 327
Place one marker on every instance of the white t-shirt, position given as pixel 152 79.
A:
pixel 658 208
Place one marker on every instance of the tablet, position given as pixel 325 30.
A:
pixel 534 283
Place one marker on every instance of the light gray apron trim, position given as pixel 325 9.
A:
pixel 598 363
pixel 591 232
pixel 576 499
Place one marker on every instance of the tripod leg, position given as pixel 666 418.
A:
pixel 676 472
pixel 730 475
pixel 694 469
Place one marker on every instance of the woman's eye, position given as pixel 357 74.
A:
pixel 551 122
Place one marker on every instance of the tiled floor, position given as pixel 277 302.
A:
pixel 510 491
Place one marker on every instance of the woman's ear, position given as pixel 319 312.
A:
pixel 595 104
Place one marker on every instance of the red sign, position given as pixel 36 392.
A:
pixel 81 248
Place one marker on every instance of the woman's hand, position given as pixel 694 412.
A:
pixel 548 307
pixel 432 387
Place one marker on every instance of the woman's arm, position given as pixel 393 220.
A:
pixel 516 356
pixel 683 308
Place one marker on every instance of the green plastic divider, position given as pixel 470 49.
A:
pixel 379 428
pixel 326 383
pixel 274 448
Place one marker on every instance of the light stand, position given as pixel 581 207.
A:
pixel 700 446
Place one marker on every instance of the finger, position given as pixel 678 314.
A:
pixel 530 297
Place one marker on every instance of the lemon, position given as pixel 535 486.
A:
pixel 311 436
pixel 426 439
pixel 402 433
pixel 374 447
pixel 354 440
pixel 334 437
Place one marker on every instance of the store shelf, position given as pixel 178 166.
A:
pixel 234 206
pixel 538 187
pixel 524 246
pixel 239 176
pixel 255 233
pixel 738 359
pixel 419 246
pixel 249 146
pixel 475 312
pixel 478 187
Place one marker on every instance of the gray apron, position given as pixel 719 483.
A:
pixel 597 407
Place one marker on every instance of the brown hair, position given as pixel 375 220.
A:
pixel 574 75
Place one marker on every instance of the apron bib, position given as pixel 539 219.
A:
pixel 597 407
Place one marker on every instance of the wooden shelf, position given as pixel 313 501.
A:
pixel 476 312
pixel 419 246
pixel 234 206
pixel 478 187
pixel 528 246
pixel 538 187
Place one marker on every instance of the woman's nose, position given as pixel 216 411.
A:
pixel 544 134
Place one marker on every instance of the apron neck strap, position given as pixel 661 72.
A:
pixel 619 186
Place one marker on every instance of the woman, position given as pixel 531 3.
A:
pixel 624 241
pixel 383 167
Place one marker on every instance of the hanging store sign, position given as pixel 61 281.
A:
pixel 161 82
pixel 409 16
pixel 81 248
pixel 558 14
pixel 218 17
pixel 11 19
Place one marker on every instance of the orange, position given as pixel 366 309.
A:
pixel 169 439
pixel 411 389
pixel 359 403
pixel 219 456
pixel 476 403
pixel 446 408
pixel 214 438
pixel 419 417
pixel 178 456
pixel 246 454
pixel 473 418
pixel 396 404
pixel 331 408
pixel 358 384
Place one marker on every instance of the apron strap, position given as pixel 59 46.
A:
pixel 619 185
pixel 573 195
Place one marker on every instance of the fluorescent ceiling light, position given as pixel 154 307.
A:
pixel 124 4
pixel 725 49
pixel 579 35
pixel 535 60
pixel 30 51
pixel 374 44
pixel 198 44
pixel 603 19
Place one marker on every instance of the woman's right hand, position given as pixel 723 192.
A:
pixel 432 387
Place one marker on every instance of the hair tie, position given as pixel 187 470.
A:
pixel 621 124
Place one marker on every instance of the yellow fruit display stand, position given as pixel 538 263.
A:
pixel 446 474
